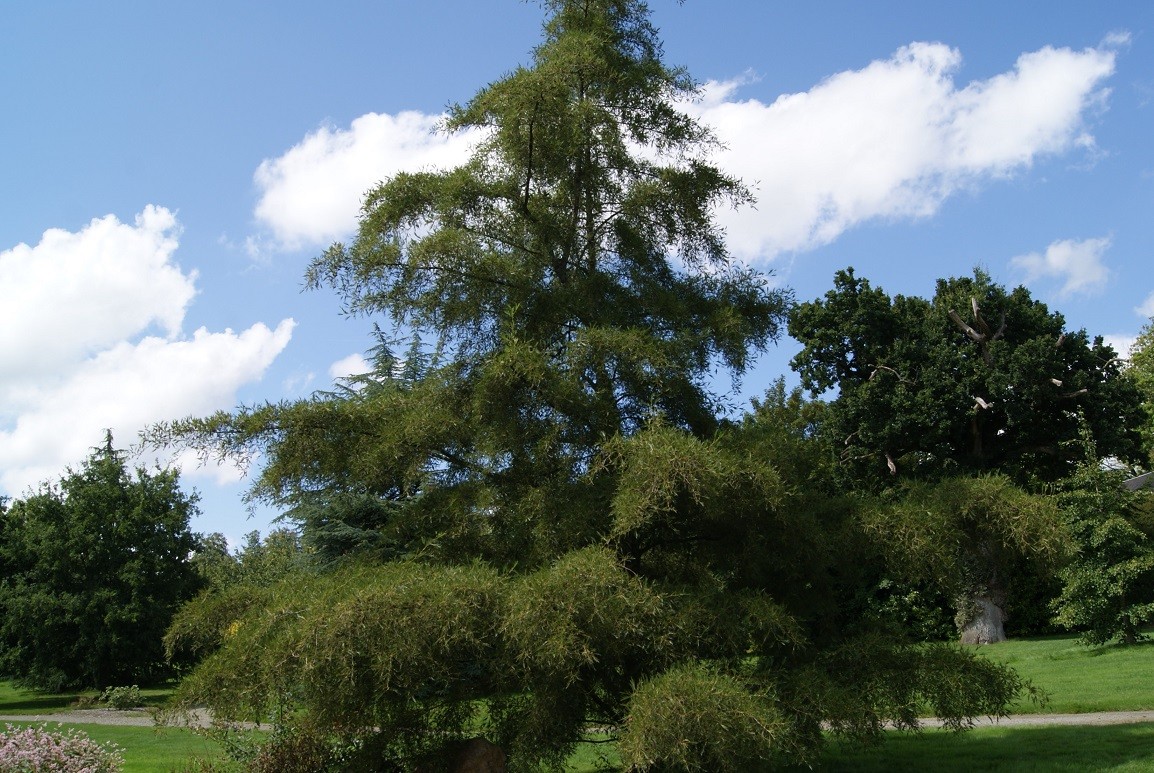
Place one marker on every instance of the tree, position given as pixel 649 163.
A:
pixel 1141 372
pixel 962 535
pixel 1108 590
pixel 538 522
pixel 91 572
pixel 976 380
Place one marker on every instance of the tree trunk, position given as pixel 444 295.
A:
pixel 983 622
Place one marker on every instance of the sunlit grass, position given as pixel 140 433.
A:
pixel 147 749
pixel 1079 678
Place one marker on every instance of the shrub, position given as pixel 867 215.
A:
pixel 38 750
pixel 122 698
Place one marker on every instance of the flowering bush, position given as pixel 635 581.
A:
pixel 122 698
pixel 38 750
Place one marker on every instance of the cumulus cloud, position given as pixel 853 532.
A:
pixel 91 339
pixel 75 293
pixel 312 194
pixel 1077 264
pixel 892 140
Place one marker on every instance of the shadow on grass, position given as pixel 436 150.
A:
pixel 15 700
pixel 1110 747
pixel 30 703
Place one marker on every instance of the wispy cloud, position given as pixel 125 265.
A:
pixel 1076 264
pixel 1146 308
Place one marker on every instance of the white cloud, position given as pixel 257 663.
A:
pixel 1077 264
pixel 312 194
pixel 1121 343
pixel 353 365
pixel 1146 309
pixel 75 293
pixel 81 337
pixel 892 140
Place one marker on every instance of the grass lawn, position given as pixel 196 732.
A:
pixel 1128 748
pixel 1106 748
pixel 1079 678
pixel 14 700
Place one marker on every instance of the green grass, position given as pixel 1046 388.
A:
pixel 1106 748
pixel 14 700
pixel 1079 678
pixel 148 749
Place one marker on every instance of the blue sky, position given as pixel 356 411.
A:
pixel 169 169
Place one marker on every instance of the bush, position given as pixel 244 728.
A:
pixel 122 698
pixel 38 750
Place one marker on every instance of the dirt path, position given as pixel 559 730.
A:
pixel 100 717
pixel 1038 720
pixel 144 719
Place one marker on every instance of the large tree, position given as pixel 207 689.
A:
pixel 546 526
pixel 91 572
pixel 936 395
pixel 977 379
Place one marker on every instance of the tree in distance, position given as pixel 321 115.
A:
pixel 91 572
pixel 936 396
pixel 536 525
pixel 1141 372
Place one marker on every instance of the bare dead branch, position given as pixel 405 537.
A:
pixel 969 331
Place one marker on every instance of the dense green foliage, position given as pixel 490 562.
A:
pixel 1141 372
pixel 978 379
pixel 960 404
pixel 536 523
pixel 91 573
pixel 1108 590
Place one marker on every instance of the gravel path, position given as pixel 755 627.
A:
pixel 201 718
pixel 100 717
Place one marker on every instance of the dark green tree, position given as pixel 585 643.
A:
pixel 977 380
pixel 91 572
pixel 538 522
pixel 943 393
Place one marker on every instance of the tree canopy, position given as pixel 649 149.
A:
pixel 91 572
pixel 536 521
pixel 1141 372
pixel 976 379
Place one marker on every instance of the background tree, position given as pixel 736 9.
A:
pixel 93 570
pixel 541 522
pixel 1141 371
pixel 1108 590
pixel 976 380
